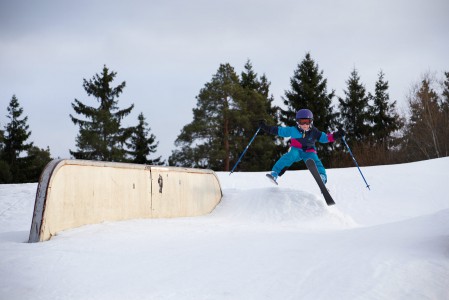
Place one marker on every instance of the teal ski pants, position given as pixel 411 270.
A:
pixel 295 155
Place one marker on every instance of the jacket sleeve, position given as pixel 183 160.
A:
pixel 269 129
pixel 326 138
pixel 272 130
pixel 288 132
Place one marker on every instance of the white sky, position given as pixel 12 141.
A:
pixel 167 50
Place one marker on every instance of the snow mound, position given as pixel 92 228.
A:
pixel 276 207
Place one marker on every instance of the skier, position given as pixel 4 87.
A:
pixel 303 139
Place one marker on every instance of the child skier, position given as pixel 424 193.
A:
pixel 303 139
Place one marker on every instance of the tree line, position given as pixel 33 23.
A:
pixel 229 106
pixel 101 136
pixel 227 114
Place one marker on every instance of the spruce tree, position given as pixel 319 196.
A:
pixel 355 110
pixel 143 143
pixel 15 143
pixel 5 172
pixel 256 104
pixel 38 158
pixel 249 77
pixel 2 142
pixel 309 90
pixel 101 134
pixel 385 120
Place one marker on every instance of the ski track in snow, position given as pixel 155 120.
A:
pixel 261 242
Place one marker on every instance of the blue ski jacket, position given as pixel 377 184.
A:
pixel 305 140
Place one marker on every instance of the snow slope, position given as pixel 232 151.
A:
pixel 261 242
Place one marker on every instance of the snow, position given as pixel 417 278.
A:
pixel 261 242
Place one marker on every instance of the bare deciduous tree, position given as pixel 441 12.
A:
pixel 426 128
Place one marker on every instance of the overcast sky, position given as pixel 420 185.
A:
pixel 167 50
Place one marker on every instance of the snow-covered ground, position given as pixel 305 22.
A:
pixel 261 242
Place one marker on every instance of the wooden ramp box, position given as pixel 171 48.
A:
pixel 72 193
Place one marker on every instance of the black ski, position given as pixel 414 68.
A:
pixel 313 169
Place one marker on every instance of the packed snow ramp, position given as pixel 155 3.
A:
pixel 72 193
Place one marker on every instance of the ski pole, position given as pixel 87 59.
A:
pixel 353 158
pixel 244 151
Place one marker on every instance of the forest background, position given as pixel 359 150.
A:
pixel 227 114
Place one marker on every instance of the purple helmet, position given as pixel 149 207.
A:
pixel 304 114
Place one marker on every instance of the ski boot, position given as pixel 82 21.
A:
pixel 273 176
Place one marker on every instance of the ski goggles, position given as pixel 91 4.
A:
pixel 304 121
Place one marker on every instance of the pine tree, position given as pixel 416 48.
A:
pixel 15 146
pixel 355 110
pixel 224 121
pixel 206 141
pixel 101 135
pixel 143 143
pixel 385 119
